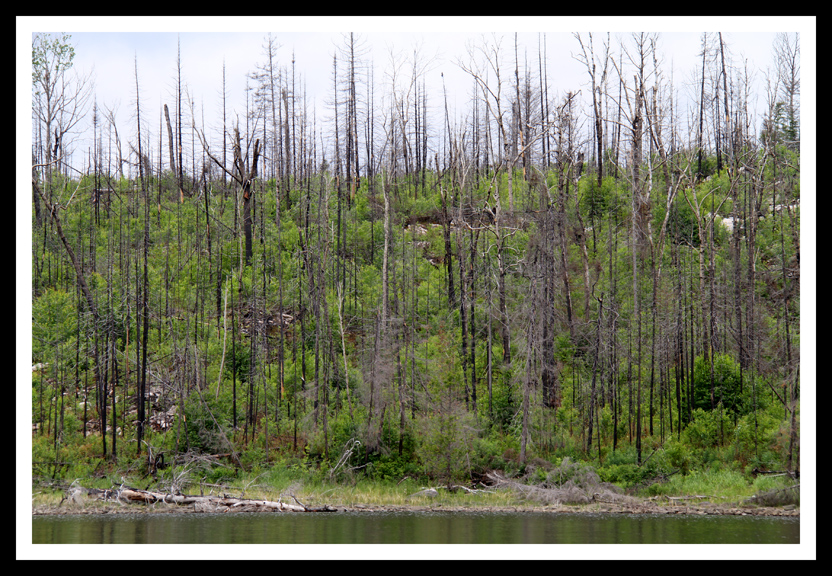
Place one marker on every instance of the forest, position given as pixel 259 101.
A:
pixel 604 274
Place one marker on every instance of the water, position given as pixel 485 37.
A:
pixel 412 528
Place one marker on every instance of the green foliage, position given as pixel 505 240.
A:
pixel 51 55
pixel 756 442
pixel 342 431
pixel 624 475
pixel 565 348
pixel 621 468
pixel 765 482
pixel 600 202
pixel 202 424
pixel 504 399
pixel 54 323
pixel 76 456
pixel 495 452
pixel 726 385
pixel 678 456
pixel 446 436
pixel 391 468
pixel 253 456
pixel 784 126
pixel 238 364
pixel 709 429
pixel 728 484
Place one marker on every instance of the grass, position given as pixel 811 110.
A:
pixel 280 483
pixel 723 486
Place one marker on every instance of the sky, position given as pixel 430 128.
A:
pixel 113 49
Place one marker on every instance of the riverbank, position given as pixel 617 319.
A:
pixel 641 507
pixel 502 495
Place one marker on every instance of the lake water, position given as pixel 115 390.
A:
pixel 412 528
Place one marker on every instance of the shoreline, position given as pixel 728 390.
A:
pixel 646 507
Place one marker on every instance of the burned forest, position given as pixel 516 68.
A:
pixel 398 278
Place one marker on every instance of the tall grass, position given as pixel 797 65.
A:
pixel 284 483
pixel 723 486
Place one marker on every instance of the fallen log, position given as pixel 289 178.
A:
pixel 125 494
pixel 675 499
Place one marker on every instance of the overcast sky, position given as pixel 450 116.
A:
pixel 109 47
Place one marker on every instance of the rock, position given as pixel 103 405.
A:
pixel 429 492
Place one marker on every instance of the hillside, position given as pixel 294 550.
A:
pixel 634 306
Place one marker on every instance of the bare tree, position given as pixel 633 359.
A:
pixel 492 91
pixel 787 62
pixel 242 177
pixel 634 94
pixel 596 84
pixel 59 101
pixel 142 387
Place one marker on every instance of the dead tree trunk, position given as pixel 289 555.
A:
pixel 243 178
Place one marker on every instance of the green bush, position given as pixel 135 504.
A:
pixel 624 475
pixel 487 453
pixel 446 438
pixel 342 431
pixel 678 456
pixel 203 433
pixel 54 320
pixel 754 437
pixel 726 384
pixel 625 454
pixel 392 468
pixel 596 201
pixel 708 429
pixel 253 457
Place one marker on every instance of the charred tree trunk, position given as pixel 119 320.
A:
pixel 170 144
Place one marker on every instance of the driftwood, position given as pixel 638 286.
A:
pixel 434 492
pixel 128 495
pixel 677 499
pixel 794 474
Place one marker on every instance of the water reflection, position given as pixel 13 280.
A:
pixel 412 528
